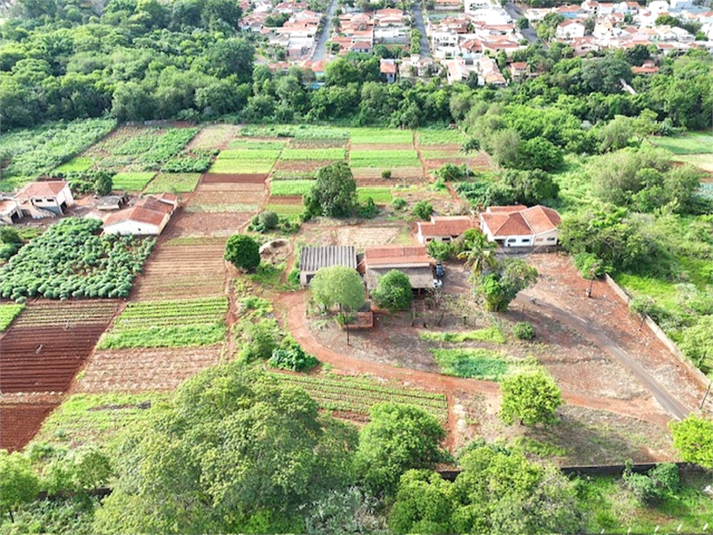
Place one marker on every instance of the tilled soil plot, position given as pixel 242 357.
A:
pixel 214 136
pixel 138 370
pixel 207 224
pixel 21 422
pixel 231 178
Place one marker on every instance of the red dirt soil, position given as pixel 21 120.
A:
pixel 285 199
pixel 229 178
pixel 20 422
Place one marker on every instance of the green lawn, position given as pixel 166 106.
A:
pixel 384 158
pixel 131 181
pixel 378 195
pixel 690 143
pixel 173 183
pixel 241 166
pixel 291 187
pixel 363 136
pixel 474 363
pixel 249 154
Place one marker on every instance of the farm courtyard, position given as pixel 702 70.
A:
pixel 90 366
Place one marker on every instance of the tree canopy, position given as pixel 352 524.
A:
pixel 529 398
pixel 338 286
pixel 501 285
pixel 243 252
pixel 693 437
pixel 393 291
pixel 334 192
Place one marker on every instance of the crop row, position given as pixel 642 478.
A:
pixel 380 136
pixel 352 383
pixel 256 145
pixel 172 309
pixel 384 158
pixel 291 187
pixel 7 314
pixel 440 137
pixel 249 154
pixel 60 314
pixel 314 154
pixel 241 166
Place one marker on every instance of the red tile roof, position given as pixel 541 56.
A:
pixel 387 67
pixel 42 189
pixel 136 214
pixel 446 226
pixel 508 221
pixel 541 219
pixel 155 205
pixel 395 255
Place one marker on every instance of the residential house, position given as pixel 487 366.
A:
pixel 570 29
pixel 443 229
pixel 148 217
pixel 45 199
pixel 312 259
pixel 413 261
pixel 649 67
pixel 388 70
pixel 518 226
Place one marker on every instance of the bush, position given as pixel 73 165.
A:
pixel 9 235
pixel 368 210
pixel 260 340
pixel 269 220
pixel 587 263
pixel 393 291
pixel 440 251
pixel 523 330
pixel 292 357
pixel 243 252
pixel 423 210
pixel 386 173
pixel 450 172
pixel 399 203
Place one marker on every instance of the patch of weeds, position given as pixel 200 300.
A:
pixel 471 363
pixel 490 334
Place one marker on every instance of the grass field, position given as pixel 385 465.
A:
pixel 291 187
pixel 384 158
pixel 440 137
pixel 290 211
pixel 378 195
pixel 7 314
pixel 473 363
pixel 241 166
pixel 131 181
pixel 173 183
pixel 181 323
pixel 690 143
pixel 356 395
pixel 249 154
pixel 95 418
pixel 74 165
pixel 361 136
pixel 314 154
pixel 250 144
pixel 491 334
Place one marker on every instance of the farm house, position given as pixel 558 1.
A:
pixel 314 258
pixel 413 261
pixel 45 199
pixel 517 226
pixel 443 228
pixel 148 217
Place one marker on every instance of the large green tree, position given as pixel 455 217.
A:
pixel 396 439
pixel 233 453
pixel 20 483
pixel 243 252
pixel 334 192
pixel 338 286
pixel 693 438
pixel 529 398
pixel 393 291
pixel 499 287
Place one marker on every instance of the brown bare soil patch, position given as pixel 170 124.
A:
pixel 228 178
pixel 20 423
pixel 207 224
pixel 225 198
pixel 182 271
pixel 285 199
pixel 139 370
pixel 215 136
pixel 234 186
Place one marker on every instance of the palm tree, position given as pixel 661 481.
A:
pixel 478 251
pixel 469 146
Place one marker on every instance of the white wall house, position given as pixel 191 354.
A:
pixel 147 218
pixel 443 229
pixel 570 29
pixel 53 196
pixel 517 226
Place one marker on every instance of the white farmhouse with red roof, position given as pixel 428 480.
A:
pixel 443 228
pixel 147 217
pixel 518 226
pixel 45 199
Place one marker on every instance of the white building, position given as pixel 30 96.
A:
pixel 53 196
pixel 148 217
pixel 570 29
pixel 518 226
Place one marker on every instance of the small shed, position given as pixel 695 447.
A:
pixel 109 203
pixel 412 261
pixel 313 259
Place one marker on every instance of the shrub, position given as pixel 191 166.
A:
pixel 399 203
pixel 423 210
pixel 523 330
pixel 440 251
pixel 393 291
pixel 269 220
pixel 292 357
pixel 386 173
pixel 587 263
pixel 243 252
pixel 368 210
pixel 260 340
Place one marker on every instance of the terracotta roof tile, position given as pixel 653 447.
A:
pixel 446 226
pixel 395 255
pixel 42 189
pixel 137 214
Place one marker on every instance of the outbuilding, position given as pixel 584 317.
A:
pixel 45 199
pixel 443 229
pixel 312 259
pixel 148 217
pixel 413 261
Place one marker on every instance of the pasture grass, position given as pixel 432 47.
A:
pixel 241 167
pixel 173 183
pixel 131 181
pixel 433 136
pixel 491 334
pixel 361 136
pixel 689 143
pixel 291 187
pixel 314 154
pixel 384 158
pixel 77 164
pixel 8 313
pixel 378 195
pixel 476 363
pixel 248 154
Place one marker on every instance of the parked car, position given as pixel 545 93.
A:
pixel 440 272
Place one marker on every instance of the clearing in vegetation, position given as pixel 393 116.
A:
pixel 173 183
pixel 181 323
pixel 291 187
pixel 133 182
pixel 72 260
pixel 476 363
pixel 7 314
pixel 34 152
pixel 359 136
pixel 384 158
pixel 314 154
pixel 357 395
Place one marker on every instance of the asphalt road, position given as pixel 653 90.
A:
pixel 421 27
pixel 516 13
pixel 320 50
pixel 669 403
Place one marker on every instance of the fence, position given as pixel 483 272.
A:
pixel 658 332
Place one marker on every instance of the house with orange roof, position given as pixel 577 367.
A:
pixel 413 261
pixel 45 199
pixel 517 226
pixel 148 217
pixel 444 229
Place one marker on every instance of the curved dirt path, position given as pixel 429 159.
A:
pixel 594 334
pixel 294 305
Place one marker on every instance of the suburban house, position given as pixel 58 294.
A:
pixel 518 226
pixel 148 217
pixel 443 228
pixel 45 199
pixel 312 259
pixel 570 29
pixel 413 261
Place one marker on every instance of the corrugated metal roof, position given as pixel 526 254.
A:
pixel 314 258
